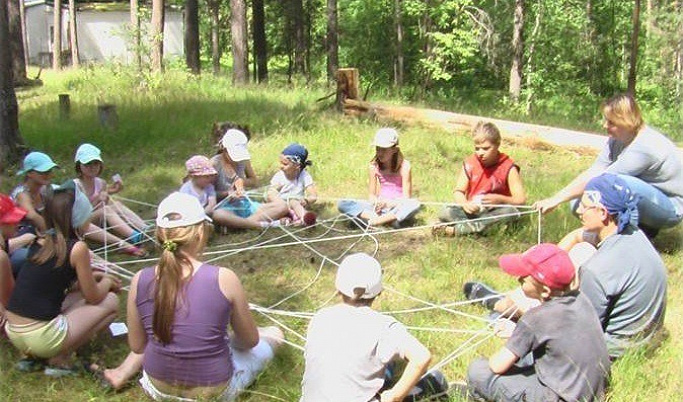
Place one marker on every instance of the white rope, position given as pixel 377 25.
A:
pixel 285 327
pixel 426 202
pixel 456 312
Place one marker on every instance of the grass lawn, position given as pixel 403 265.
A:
pixel 165 120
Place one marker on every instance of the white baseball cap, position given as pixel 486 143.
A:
pixel 179 209
pixel 386 138
pixel 235 143
pixel 359 271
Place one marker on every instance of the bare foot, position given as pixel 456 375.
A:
pixel 114 378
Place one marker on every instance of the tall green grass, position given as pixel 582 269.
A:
pixel 163 120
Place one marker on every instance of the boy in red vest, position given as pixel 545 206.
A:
pixel 488 187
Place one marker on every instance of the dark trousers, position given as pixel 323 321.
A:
pixel 517 384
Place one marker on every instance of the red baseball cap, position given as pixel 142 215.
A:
pixel 9 212
pixel 547 263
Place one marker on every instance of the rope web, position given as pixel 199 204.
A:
pixel 344 235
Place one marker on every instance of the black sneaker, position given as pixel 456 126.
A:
pixel 478 290
pixel 431 387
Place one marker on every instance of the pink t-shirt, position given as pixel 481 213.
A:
pixel 391 185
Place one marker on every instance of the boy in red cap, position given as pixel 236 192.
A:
pixel 563 334
pixel 10 216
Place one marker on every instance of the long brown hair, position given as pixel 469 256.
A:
pixel 57 215
pixel 177 244
pixel 396 160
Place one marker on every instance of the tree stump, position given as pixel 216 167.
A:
pixel 347 86
pixel 108 117
pixel 64 106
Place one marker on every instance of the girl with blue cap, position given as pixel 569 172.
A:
pixel 106 211
pixel 37 170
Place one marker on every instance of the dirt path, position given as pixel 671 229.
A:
pixel 512 131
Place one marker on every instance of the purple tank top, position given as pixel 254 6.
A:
pixel 199 353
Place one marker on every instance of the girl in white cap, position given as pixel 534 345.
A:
pixel 179 314
pixel 122 221
pixel 234 175
pixel 390 186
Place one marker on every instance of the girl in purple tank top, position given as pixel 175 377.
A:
pixel 179 312
pixel 390 186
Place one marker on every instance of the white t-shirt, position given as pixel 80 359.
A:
pixel 347 350
pixel 291 188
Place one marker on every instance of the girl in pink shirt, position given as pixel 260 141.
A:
pixel 390 186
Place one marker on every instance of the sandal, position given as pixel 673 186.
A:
pixel 56 371
pixel 30 365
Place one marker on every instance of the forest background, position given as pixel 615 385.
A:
pixel 546 61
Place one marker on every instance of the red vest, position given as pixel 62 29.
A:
pixel 487 180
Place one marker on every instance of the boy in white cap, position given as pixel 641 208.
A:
pixel 349 345
pixel 563 334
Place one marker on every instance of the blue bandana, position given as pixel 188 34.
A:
pixel 298 154
pixel 615 195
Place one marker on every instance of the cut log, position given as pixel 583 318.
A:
pixel 347 86
pixel 64 106
pixel 108 116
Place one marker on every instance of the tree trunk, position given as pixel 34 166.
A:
pixel 515 88
pixel 158 15
pixel 16 33
pixel 57 35
pixel 10 140
pixel 427 45
pixel 299 37
pixel 633 64
pixel 530 58
pixel 260 41
pixel 398 67
pixel 192 36
pixel 137 40
pixel 332 40
pixel 238 31
pixel 73 34
pixel 24 41
pixel 214 17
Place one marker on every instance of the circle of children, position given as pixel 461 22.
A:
pixel 581 303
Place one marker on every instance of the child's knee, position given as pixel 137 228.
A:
pixel 478 373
